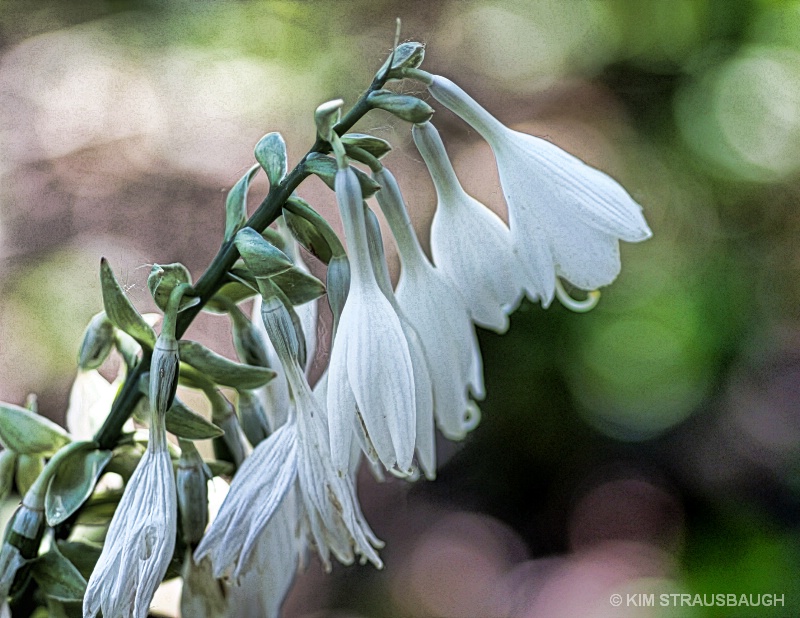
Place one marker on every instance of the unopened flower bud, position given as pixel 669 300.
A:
pixel 163 375
pixel 192 481
pixel 98 339
pixel 326 116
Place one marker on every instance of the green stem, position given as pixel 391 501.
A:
pixel 215 275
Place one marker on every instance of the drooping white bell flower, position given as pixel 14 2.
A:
pixel 439 315
pixel 264 587
pixel 426 440
pixel 566 217
pixel 370 376
pixel 294 458
pixel 141 537
pixel 257 490
pixel 469 242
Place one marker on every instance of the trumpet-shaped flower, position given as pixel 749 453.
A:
pixel 566 218
pixel 426 441
pixel 438 313
pixel 371 377
pixel 469 242
pixel 294 458
pixel 141 538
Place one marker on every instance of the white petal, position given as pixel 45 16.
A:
pixel 139 543
pixel 255 494
pixel 576 190
pixel 469 243
pixel 437 313
pixel 340 401
pixel 382 378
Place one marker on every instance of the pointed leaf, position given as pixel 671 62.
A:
pixel 325 167
pixel 404 106
pixel 271 154
pixel 311 230
pixel 121 311
pixel 81 555
pixel 375 146
pixel 186 423
pixel 74 482
pixel 262 258
pixel 222 370
pixel 230 293
pixel 298 286
pixel 236 204
pixel 27 433
pixel 57 577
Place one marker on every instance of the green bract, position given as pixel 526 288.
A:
pixel 98 339
pixel 73 482
pixel 325 167
pixel 236 204
pixel 270 153
pixel 406 107
pixel 326 117
pixel 221 370
pixel 183 422
pixel 27 433
pixel 375 146
pixel 262 258
pixel 58 578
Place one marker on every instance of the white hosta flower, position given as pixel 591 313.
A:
pixel 439 315
pixel 263 588
pixel 566 218
pixel 141 538
pixel 469 242
pixel 257 490
pixel 294 458
pixel 370 376
pixel 89 403
pixel 426 440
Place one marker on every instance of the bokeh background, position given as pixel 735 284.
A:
pixel 650 446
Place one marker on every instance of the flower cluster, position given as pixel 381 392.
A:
pixel 404 359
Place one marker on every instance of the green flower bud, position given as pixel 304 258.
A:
pixel 252 417
pixel 163 376
pixel 163 279
pixel 375 146
pixel 246 340
pixel 261 257
pixel 192 482
pixel 270 153
pixel 326 116
pixel 406 56
pixel 98 339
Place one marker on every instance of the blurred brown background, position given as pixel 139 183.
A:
pixel 651 446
